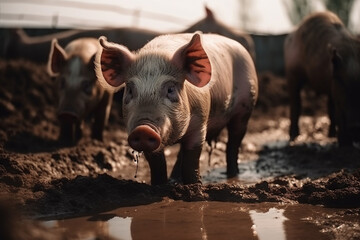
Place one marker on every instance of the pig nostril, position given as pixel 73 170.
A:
pixel 144 138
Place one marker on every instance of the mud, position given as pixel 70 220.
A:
pixel 43 179
pixel 204 220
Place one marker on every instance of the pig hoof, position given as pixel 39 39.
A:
pixel 97 136
pixel 293 134
pixel 144 138
pixel 232 173
pixel 292 138
pixel 174 181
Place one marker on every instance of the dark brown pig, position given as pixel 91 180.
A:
pixel 80 94
pixel 324 55
pixel 182 88
pixel 212 25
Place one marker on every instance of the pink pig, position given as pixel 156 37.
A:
pixel 80 94
pixel 182 88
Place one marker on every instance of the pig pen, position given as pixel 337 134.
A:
pixel 43 181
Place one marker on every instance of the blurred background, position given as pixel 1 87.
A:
pixel 28 26
pixel 254 16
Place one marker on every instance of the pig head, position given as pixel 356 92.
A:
pixel 181 88
pixel 80 94
pixel 322 54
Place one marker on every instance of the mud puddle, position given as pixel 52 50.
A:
pixel 170 219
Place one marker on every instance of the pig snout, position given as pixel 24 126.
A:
pixel 144 138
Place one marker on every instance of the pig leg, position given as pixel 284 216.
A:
pixel 190 164
pixel 157 165
pixel 236 132
pixel 66 131
pixel 176 175
pixel 344 139
pixel 101 116
pixel 78 131
pixel 70 132
pixel 331 111
pixel 295 105
pixel 186 168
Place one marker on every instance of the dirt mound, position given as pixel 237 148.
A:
pixel 69 196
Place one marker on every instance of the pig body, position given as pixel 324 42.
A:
pixel 210 24
pixel 80 94
pixel 182 88
pixel 322 54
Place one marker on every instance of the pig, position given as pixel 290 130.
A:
pixel 210 24
pixel 181 88
pixel 324 55
pixel 80 94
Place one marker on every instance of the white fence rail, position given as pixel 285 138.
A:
pixel 79 14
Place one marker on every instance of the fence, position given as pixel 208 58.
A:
pixel 53 14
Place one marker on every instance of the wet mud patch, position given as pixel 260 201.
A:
pixel 202 220
pixel 45 179
pixel 84 194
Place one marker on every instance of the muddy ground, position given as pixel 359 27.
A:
pixel 41 178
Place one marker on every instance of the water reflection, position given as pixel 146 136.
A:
pixel 269 225
pixel 120 227
pixel 195 220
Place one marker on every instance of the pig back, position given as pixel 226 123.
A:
pixel 233 87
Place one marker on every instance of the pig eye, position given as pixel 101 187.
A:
pixel 87 87
pixel 129 94
pixel 171 92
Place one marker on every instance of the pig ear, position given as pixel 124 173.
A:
pixel 57 58
pixel 194 60
pixel 111 63
pixel 209 13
